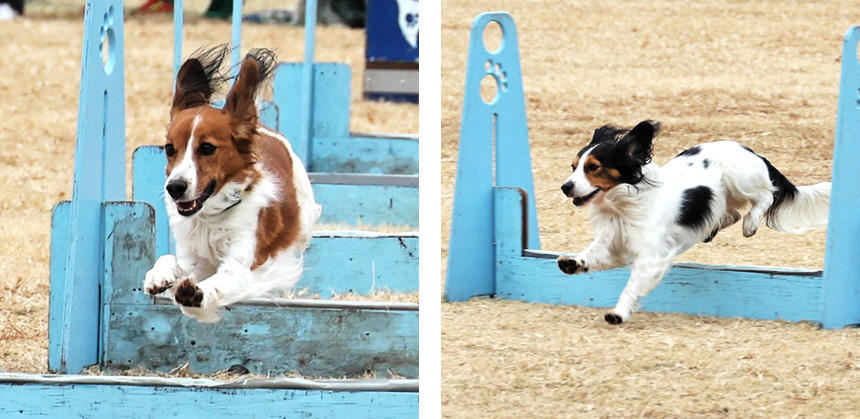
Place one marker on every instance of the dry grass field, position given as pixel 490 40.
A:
pixel 765 73
pixel 39 81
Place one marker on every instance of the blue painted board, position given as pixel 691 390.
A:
pixel 330 105
pixel 499 129
pixel 66 400
pixel 367 204
pixel 386 41
pixel 60 239
pixel 363 154
pixel 725 291
pixel 266 340
pixel 99 175
pixel 841 288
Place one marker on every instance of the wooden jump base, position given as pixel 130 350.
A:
pixel 123 396
pixel 498 253
pixel 102 246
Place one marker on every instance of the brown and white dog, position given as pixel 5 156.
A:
pixel 239 201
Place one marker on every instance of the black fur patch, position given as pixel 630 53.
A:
pixel 785 190
pixel 706 163
pixel 624 150
pixel 692 151
pixel 695 208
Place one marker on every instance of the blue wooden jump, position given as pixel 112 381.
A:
pixel 493 242
pixel 102 245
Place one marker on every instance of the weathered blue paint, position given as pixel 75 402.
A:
pixel 367 204
pixel 99 175
pixel 841 299
pixel 758 293
pixel 266 340
pixel 342 203
pixel 360 263
pixel 487 129
pixel 61 236
pixel 124 397
pixel 329 109
pixel 361 154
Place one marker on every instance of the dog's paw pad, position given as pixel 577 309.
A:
pixel 188 294
pixel 613 318
pixel 568 265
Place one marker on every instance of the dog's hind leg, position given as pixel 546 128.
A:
pixel 761 202
pixel 730 217
pixel 646 273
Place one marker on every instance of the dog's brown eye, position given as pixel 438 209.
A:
pixel 591 167
pixel 169 150
pixel 206 149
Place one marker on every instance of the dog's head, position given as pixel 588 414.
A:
pixel 208 148
pixel 613 157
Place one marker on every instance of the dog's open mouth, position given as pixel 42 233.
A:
pixel 581 200
pixel 188 208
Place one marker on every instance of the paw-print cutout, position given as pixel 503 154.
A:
pixel 107 41
pixel 496 79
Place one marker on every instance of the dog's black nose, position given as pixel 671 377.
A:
pixel 566 187
pixel 176 188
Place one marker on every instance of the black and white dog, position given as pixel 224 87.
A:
pixel 645 215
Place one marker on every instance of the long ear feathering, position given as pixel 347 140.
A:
pixel 640 140
pixel 199 78
pixel 240 104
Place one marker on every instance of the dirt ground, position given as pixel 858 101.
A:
pixel 39 82
pixel 765 73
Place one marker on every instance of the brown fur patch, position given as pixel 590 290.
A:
pixel 602 177
pixel 278 225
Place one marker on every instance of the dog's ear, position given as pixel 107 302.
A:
pixel 197 79
pixel 639 141
pixel 605 134
pixel 240 105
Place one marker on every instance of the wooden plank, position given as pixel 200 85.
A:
pixel 313 342
pixel 494 151
pixel 60 237
pixel 841 290
pixel 699 290
pixel 368 205
pixel 331 101
pixel 124 397
pixel 353 154
pixel 364 179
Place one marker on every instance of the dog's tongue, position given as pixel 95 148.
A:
pixel 187 205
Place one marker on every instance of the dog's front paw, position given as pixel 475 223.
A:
pixel 613 317
pixel 571 265
pixel 161 276
pixel 188 294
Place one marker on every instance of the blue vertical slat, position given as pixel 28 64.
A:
pixel 503 121
pixel 841 286
pixel 303 146
pixel 235 53
pixel 99 176
pixel 178 21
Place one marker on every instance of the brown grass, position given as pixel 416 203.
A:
pixel 763 72
pixel 39 89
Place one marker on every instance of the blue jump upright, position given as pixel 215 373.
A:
pixel 493 244
pixel 102 245
pixel 496 128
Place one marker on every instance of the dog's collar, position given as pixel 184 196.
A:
pixel 231 206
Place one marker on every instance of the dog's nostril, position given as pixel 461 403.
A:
pixel 566 187
pixel 176 188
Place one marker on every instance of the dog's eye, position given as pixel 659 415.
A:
pixel 169 150
pixel 591 167
pixel 206 149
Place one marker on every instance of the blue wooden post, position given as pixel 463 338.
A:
pixel 841 286
pixel 236 52
pixel 303 146
pixel 178 20
pixel 498 127
pixel 99 176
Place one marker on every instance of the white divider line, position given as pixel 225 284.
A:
pixel 316 304
pixel 400 385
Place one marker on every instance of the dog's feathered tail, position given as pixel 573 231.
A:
pixel 796 209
